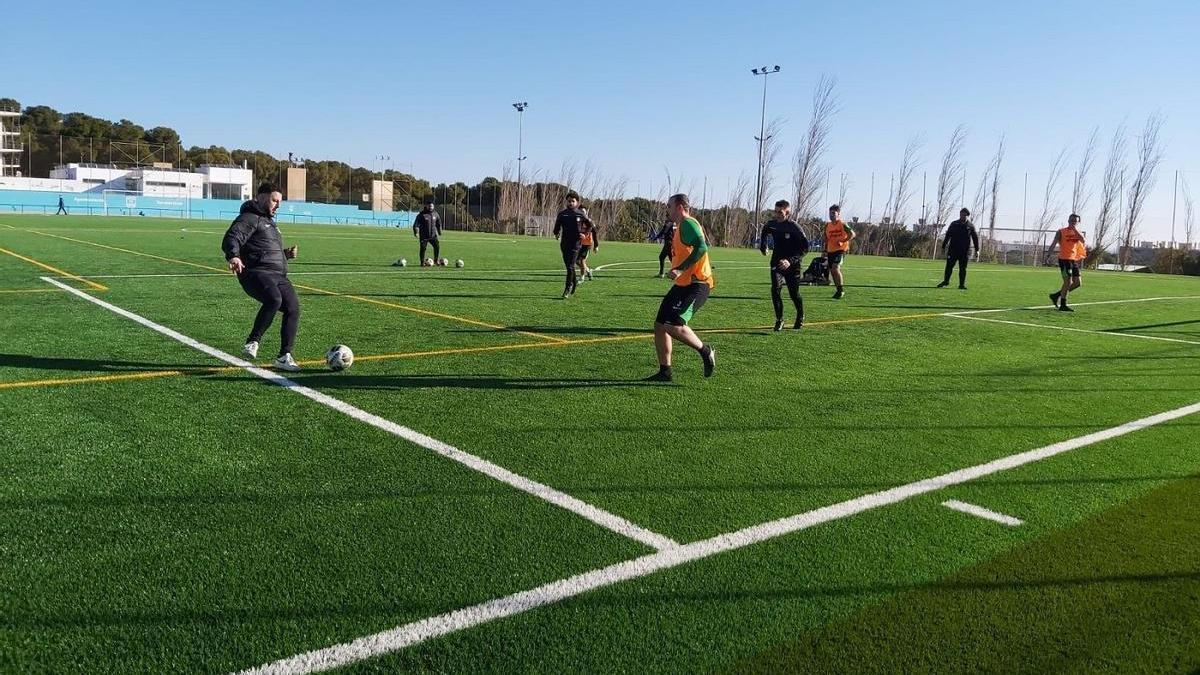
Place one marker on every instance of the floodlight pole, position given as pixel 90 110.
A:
pixel 520 106
pixel 761 138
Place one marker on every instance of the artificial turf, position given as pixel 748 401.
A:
pixel 200 519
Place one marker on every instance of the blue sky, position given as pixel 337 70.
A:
pixel 635 87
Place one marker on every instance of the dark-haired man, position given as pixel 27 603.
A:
pixel 1071 253
pixel 787 253
pixel 838 236
pixel 255 253
pixel 960 236
pixel 428 226
pixel 568 230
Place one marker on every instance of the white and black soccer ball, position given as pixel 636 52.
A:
pixel 444 261
pixel 459 263
pixel 339 357
pixel 429 262
pixel 403 262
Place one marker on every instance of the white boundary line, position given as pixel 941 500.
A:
pixel 980 512
pixel 417 632
pixel 579 507
pixel 1074 330
pixel 1048 307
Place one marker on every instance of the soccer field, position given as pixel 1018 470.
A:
pixel 920 480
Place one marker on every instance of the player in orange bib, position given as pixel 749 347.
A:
pixel 693 277
pixel 1071 254
pixel 589 240
pixel 838 236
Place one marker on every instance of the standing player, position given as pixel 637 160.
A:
pixel 693 277
pixel 838 236
pixel 589 240
pixel 255 252
pixel 428 226
pixel 568 230
pixel 786 256
pixel 1071 252
pixel 666 235
pixel 960 235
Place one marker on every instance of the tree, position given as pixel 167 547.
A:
pixel 904 188
pixel 1081 194
pixel 1110 193
pixel 949 178
pixel 1149 156
pixel 809 172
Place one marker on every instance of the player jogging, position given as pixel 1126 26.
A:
pixel 1071 253
pixel 787 253
pixel 838 236
pixel 567 230
pixel 589 240
pixel 666 235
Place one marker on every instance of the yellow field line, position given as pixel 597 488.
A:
pixel 57 271
pixel 85 380
pixel 31 290
pixel 322 291
pixel 834 322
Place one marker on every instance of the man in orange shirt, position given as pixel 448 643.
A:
pixel 1071 253
pixel 838 236
pixel 589 240
pixel 693 277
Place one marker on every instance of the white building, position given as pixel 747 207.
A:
pixel 10 143
pixel 213 182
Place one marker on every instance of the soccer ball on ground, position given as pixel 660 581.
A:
pixel 428 262
pixel 459 263
pixel 400 263
pixel 339 357
pixel 444 261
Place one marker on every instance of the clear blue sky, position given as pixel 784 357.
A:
pixel 632 86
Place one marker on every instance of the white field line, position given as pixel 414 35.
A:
pixel 1048 307
pixel 980 512
pixel 596 515
pixel 1075 330
pixel 417 632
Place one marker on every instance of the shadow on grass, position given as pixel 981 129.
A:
pixel 90 365
pixel 330 381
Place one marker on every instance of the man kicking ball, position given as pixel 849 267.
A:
pixel 255 253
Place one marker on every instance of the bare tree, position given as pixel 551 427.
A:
pixel 949 178
pixel 1189 214
pixel 1149 156
pixel 809 171
pixel 1081 193
pixel 997 160
pixel 904 186
pixel 1110 192
pixel 844 186
pixel 772 143
pixel 1051 205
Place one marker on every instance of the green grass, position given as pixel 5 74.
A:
pixel 208 521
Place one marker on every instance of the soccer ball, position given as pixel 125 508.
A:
pixel 459 263
pixel 400 263
pixel 444 261
pixel 339 357
pixel 429 262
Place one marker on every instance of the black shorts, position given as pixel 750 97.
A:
pixel 681 302
pixel 570 255
pixel 583 251
pixel 835 258
pixel 1069 268
pixel 778 279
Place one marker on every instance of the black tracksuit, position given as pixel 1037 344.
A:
pixel 791 245
pixel 255 239
pixel 567 229
pixel 667 236
pixel 960 235
pixel 428 226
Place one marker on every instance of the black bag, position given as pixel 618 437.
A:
pixel 817 273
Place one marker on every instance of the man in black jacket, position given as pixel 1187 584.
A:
pixel 255 252
pixel 960 236
pixel 790 245
pixel 427 226
pixel 568 232
pixel 667 236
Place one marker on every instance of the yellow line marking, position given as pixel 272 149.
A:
pixel 84 380
pixel 57 271
pixel 834 322
pixel 322 291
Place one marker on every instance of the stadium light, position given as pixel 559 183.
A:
pixel 761 138
pixel 520 106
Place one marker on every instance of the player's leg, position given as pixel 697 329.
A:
pixel 962 270
pixel 437 250
pixel 290 306
pixel 793 285
pixel 424 247
pixel 949 269
pixel 777 297
pixel 835 271
pixel 259 286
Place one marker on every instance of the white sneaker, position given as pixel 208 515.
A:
pixel 286 362
pixel 250 350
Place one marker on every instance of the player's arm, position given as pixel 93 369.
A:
pixel 975 239
pixel 946 240
pixel 558 225
pixel 849 231
pixel 690 235
pixel 595 238
pixel 231 245
pixel 762 238
pixel 417 225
